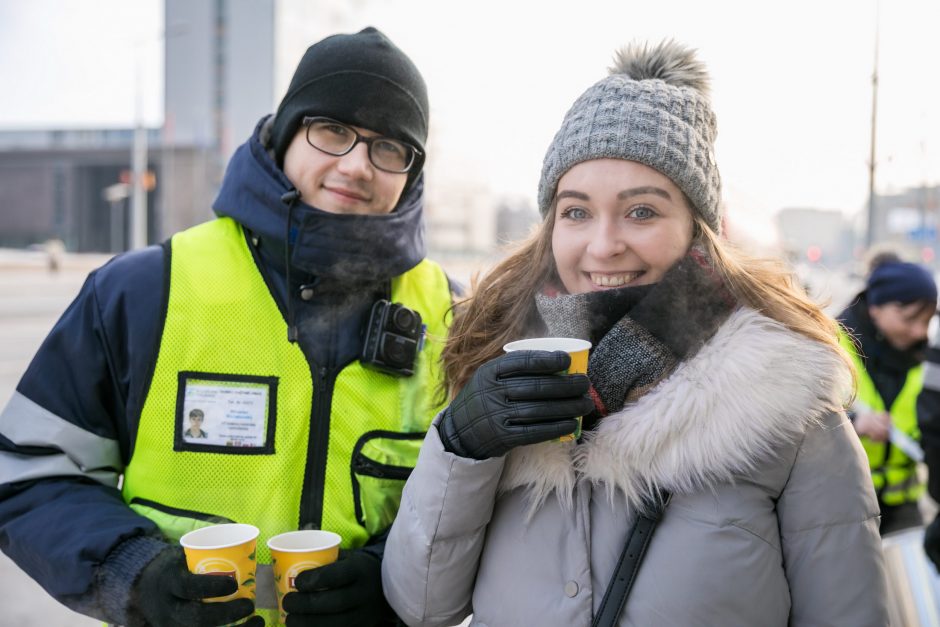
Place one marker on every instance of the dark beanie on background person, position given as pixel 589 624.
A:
pixel 362 79
pixel 900 282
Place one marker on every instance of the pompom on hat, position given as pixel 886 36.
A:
pixel 900 282
pixel 653 108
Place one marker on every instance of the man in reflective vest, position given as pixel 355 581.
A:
pixel 928 420
pixel 302 327
pixel 885 333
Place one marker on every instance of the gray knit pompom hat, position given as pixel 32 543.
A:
pixel 653 108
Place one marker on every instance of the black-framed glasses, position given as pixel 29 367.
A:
pixel 337 139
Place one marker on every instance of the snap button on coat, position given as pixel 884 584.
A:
pixel 571 588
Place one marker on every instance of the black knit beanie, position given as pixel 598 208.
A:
pixel 900 282
pixel 363 80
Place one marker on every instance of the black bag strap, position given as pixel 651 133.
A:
pixel 615 598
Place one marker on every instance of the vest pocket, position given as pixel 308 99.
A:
pixel 381 463
pixel 173 522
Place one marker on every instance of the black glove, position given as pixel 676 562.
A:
pixel 932 542
pixel 346 593
pixel 168 594
pixel 518 398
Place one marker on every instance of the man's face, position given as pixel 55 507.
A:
pixel 903 325
pixel 346 184
pixel 195 422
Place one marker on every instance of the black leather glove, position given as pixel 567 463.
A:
pixel 168 594
pixel 932 542
pixel 346 593
pixel 518 398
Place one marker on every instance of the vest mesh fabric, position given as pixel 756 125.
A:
pixel 895 477
pixel 221 319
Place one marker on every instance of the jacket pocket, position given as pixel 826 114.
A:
pixel 381 463
pixel 173 522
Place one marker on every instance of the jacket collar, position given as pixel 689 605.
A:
pixel 747 391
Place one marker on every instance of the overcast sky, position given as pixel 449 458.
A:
pixel 791 82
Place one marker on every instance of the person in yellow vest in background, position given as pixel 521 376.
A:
pixel 885 333
pixel 928 420
pixel 303 326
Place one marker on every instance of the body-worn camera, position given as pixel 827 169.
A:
pixel 393 339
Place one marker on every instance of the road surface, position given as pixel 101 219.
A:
pixel 31 299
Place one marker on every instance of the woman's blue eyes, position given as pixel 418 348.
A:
pixel 574 213
pixel 640 212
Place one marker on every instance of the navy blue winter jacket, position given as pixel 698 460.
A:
pixel 69 429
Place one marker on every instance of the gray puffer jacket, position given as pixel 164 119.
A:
pixel 773 519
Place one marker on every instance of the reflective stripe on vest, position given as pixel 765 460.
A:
pixel 895 478
pixel 224 331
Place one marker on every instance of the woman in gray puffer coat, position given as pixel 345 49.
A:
pixel 714 395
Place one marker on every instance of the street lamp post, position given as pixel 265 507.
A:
pixel 142 181
pixel 139 191
pixel 115 195
pixel 138 217
pixel 870 232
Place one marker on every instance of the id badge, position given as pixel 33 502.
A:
pixel 225 413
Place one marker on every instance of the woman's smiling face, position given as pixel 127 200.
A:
pixel 617 223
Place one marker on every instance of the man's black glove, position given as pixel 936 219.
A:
pixel 932 542
pixel 518 398
pixel 168 594
pixel 346 593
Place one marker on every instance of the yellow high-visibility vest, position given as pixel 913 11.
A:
pixel 287 445
pixel 893 472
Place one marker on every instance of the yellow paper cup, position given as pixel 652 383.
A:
pixel 578 349
pixel 227 550
pixel 296 551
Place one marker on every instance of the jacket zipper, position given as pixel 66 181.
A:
pixel 371 468
pixel 311 501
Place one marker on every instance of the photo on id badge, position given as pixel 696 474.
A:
pixel 225 413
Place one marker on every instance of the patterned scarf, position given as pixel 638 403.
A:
pixel 640 334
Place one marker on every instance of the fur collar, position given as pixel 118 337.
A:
pixel 753 386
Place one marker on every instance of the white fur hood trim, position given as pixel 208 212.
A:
pixel 754 385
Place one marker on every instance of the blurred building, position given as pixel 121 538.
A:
pixel 905 222
pixel 52 185
pixel 815 235
pixel 908 221
pixel 905 214
pixel 514 221
pixel 76 185
pixel 227 64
